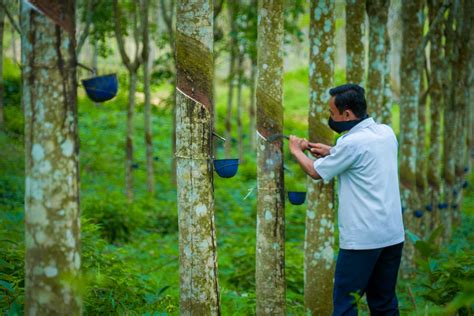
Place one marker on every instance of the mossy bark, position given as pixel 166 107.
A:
pixel 355 39
pixel 52 224
pixel 377 10
pixel 319 232
pixel 412 13
pixel 199 291
pixel 435 111
pixel 270 252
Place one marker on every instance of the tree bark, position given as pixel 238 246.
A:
pixel 410 84
pixel 199 291
pixel 231 77
pixel 132 67
pixel 253 90
pixel 319 234
pixel 52 223
pixel 355 39
pixel 377 10
pixel 386 116
pixel 435 110
pixel 132 88
pixel 240 75
pixel 465 20
pixel 167 15
pixel 448 132
pixel 270 252
pixel 421 165
pixel 150 179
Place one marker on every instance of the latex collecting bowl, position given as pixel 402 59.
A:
pixel 101 88
pixel 226 168
pixel 296 198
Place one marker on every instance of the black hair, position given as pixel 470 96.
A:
pixel 350 96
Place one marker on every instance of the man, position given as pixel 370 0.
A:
pixel 371 233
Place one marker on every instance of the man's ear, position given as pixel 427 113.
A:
pixel 347 114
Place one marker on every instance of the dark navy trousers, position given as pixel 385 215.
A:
pixel 373 272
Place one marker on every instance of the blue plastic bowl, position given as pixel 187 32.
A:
pixel 296 198
pixel 418 213
pixel 226 168
pixel 101 88
pixel 442 206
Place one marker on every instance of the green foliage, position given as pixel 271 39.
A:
pixel 115 279
pixel 14 120
pixel 447 273
pixel 11 264
pixel 118 218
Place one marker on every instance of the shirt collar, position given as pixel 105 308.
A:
pixel 365 123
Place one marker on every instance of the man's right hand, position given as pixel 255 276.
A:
pixel 319 150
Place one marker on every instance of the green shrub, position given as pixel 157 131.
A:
pixel 117 218
pixel 447 273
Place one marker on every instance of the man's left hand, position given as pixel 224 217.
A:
pixel 297 144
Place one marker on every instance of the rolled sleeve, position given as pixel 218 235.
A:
pixel 340 158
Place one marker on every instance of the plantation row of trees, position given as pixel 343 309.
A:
pixel 435 125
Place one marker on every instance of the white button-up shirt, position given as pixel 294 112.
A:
pixel 365 161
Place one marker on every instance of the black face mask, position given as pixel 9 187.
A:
pixel 342 126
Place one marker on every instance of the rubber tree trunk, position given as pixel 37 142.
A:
pixel 2 28
pixel 253 90
pixel 421 163
pixel 199 292
pixel 95 61
pixel 231 77
pixel 132 67
pixel 377 10
pixel 410 85
pixel 52 224
pixel 319 233
pixel 470 116
pixel 355 39
pixel 240 76
pixel 132 88
pixel 270 252
pixel 150 179
pixel 461 70
pixel 386 116
pixel 449 129
pixel 435 111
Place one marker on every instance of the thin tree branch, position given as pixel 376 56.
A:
pixel 14 23
pixel 144 7
pixel 439 17
pixel 119 37
pixel 85 32
pixel 167 14
pixel 217 8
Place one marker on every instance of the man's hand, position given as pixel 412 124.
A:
pixel 297 144
pixel 319 150
pixel 297 147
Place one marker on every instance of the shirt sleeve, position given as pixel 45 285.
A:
pixel 341 157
